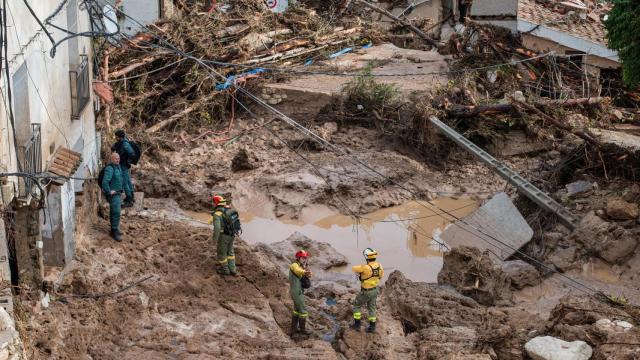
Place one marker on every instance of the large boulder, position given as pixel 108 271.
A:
pixel 474 274
pixel 550 348
pixel 323 255
pixel 521 273
pixel 609 241
pixel 443 323
pixel 619 209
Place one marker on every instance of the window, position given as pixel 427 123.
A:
pixel 80 89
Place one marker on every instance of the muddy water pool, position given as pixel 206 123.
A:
pixel 401 234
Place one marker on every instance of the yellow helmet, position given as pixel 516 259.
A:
pixel 370 254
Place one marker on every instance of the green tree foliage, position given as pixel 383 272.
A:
pixel 623 26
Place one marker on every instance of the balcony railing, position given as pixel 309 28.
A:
pixel 80 88
pixel 31 159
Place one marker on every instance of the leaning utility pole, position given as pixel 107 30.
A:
pixel 524 186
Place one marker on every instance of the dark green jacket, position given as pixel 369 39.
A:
pixel 112 179
pixel 124 149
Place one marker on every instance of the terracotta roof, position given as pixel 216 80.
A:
pixel 65 162
pixel 590 28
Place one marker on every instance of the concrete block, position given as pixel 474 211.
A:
pixel 498 218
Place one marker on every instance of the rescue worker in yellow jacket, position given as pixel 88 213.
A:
pixel 299 275
pixel 369 276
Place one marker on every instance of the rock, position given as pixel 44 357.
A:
pixel 608 327
pixel 522 274
pixel 323 254
pixel 243 161
pixel 519 96
pixel 619 209
pixel 441 322
pixel 579 188
pixel 611 242
pixel 550 348
pixel 626 326
pixel 563 258
pixel 6 321
pixel 475 275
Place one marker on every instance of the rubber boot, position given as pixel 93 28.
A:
pixel 356 325
pixel 232 267
pixel 303 326
pixel 223 270
pixel 294 324
pixel 372 327
pixel 115 234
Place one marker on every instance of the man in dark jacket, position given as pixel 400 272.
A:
pixel 112 185
pixel 124 149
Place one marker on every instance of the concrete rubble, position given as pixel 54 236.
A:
pixel 550 348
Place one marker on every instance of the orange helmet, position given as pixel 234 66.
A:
pixel 302 254
pixel 219 200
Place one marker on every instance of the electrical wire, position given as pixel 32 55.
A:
pixel 26 3
pixel 35 86
pixel 5 46
pixel 341 151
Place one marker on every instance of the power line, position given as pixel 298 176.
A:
pixel 5 46
pixel 341 151
pixel 38 21
pixel 36 87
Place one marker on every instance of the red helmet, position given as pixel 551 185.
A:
pixel 302 254
pixel 218 199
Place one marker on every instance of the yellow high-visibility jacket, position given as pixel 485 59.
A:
pixel 370 274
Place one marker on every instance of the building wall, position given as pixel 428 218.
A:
pixel 46 86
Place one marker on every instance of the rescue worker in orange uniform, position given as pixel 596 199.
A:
pixel 299 275
pixel 369 276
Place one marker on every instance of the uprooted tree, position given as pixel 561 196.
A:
pixel 623 26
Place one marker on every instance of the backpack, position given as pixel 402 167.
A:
pixel 231 222
pixel 137 153
pixel 101 175
pixel 305 282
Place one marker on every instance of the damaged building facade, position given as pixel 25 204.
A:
pixel 48 128
pixel 570 28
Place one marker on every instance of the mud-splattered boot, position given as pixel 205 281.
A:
pixel 303 326
pixel 223 270
pixel 372 327
pixel 294 325
pixel 356 325
pixel 232 267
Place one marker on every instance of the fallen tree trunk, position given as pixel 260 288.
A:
pixel 171 120
pixel 404 23
pixel 130 68
pixel 585 135
pixel 465 111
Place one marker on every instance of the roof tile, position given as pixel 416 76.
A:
pixel 538 14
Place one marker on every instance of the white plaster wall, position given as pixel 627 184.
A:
pixel 68 208
pixel 48 83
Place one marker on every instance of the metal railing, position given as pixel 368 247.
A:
pixel 32 159
pixel 80 88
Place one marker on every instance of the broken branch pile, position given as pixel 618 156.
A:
pixel 157 89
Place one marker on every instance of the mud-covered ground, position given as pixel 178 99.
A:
pixel 182 310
